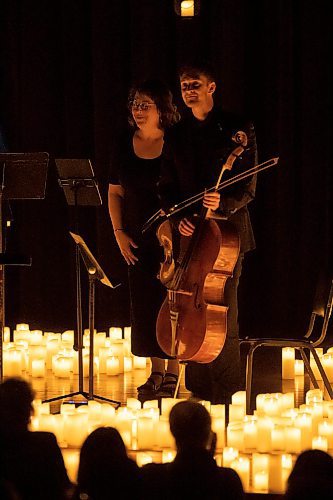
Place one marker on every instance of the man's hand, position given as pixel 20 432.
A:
pixel 212 200
pixel 186 227
pixel 125 243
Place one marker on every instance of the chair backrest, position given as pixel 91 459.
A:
pixel 323 304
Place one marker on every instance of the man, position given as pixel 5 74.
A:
pixel 193 154
pixel 194 472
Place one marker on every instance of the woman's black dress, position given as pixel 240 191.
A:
pixel 138 177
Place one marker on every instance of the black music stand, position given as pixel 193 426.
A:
pixel 76 177
pixel 23 176
pixel 95 273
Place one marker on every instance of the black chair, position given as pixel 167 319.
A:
pixel 322 308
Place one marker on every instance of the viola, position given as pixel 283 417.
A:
pixel 192 321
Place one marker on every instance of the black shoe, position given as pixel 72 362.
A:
pixel 150 386
pixel 168 386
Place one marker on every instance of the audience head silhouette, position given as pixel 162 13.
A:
pixel 104 464
pixel 311 477
pixel 190 425
pixel 16 397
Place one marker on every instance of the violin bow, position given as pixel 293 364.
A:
pixel 199 196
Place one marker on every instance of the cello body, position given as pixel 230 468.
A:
pixel 192 321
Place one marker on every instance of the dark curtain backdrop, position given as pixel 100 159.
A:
pixel 66 68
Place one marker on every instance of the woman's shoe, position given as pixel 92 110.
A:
pixel 150 386
pixel 168 386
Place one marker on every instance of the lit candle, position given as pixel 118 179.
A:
pixel 127 332
pixel 68 336
pixel 22 327
pixel 250 433
pixel 239 398
pixel 75 429
pixel 151 403
pixel 260 481
pixel 133 403
pixel 304 423
pixel 143 458
pixel 104 353
pixel 264 434
pixel 287 465
pixel 127 364
pixel 275 475
pixel 293 439
pixel 319 443
pixel 299 368
pixel 235 435
pixel 327 362
pixel 168 456
pixel 314 396
pixel 38 368
pixel 187 8
pixel 107 414
pixel 259 463
pixel 229 455
pixel 12 363
pixel 139 363
pixel 163 436
pixel 278 438
pixel 36 337
pixel 115 333
pixel 71 459
pixel 145 432
pixel 325 429
pixel 6 334
pixel 112 366
pixel 242 466
pixel 52 348
pixel 236 413
pixel 271 405
pixel 62 367
pixel 288 363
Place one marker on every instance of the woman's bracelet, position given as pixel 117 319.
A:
pixel 118 229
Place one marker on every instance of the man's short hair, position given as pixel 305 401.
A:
pixel 190 424
pixel 193 69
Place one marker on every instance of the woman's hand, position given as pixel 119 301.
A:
pixel 212 200
pixel 125 243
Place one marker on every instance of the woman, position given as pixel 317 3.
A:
pixel 132 200
pixel 105 468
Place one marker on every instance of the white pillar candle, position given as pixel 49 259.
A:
pixel 107 414
pixel 38 368
pixel 278 438
pixel 152 403
pixel 139 363
pixel 75 429
pixel 94 410
pixel 288 362
pixel 275 476
pixel 145 432
pixel 327 361
pixel 218 426
pixel 236 413
pixel 260 402
pixel 271 405
pixel 127 364
pixel 325 429
pixel 36 337
pixel 104 353
pixel 112 366
pixel 143 458
pixel 167 404
pixel 250 433
pixel 314 396
pixel 133 403
pixel 6 334
pixel 264 430
pixel 260 462
pixel 242 466
pixel 117 349
pixel 52 348
pixel 235 435
pixel 299 368
pixel 22 327
pixel 71 459
pixel 287 465
pixel 168 456
pixel 229 455
pixel 304 423
pixel 62 367
pixel 163 436
pixel 127 332
pixel 293 440
pixel 36 352
pixel 115 333
pixel 12 363
pixel 319 443
pixel 239 398
pixel 68 336
pixel 288 400
pixel 187 8
pixel 260 481
pixel 99 340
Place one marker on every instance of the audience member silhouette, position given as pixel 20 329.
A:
pixel 311 477
pixel 31 462
pixel 105 469
pixel 194 472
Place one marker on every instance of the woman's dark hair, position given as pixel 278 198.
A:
pixel 158 91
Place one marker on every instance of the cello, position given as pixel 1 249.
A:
pixel 192 321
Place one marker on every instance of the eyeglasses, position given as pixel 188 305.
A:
pixel 144 105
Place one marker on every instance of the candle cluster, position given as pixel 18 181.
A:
pixel 33 352
pixel 261 448
pixel 292 367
